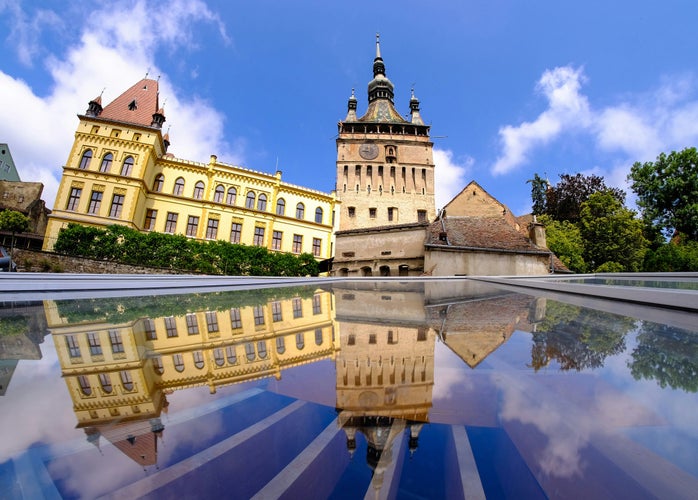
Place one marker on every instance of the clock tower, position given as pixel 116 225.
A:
pixel 385 165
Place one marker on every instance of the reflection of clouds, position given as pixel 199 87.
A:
pixel 37 386
pixel 449 374
pixel 561 455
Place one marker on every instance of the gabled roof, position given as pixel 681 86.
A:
pixel 485 233
pixel 137 105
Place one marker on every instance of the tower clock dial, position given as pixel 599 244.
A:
pixel 368 151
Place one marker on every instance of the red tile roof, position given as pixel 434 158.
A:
pixel 137 105
pixel 480 232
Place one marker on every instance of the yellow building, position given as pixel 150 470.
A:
pixel 119 172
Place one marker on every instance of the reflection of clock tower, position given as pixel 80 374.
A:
pixel 385 167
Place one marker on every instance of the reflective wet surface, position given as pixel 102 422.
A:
pixel 392 389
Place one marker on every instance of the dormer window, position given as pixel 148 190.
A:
pixel 132 106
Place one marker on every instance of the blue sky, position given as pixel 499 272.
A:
pixel 510 88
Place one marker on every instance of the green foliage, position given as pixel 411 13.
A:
pixel 565 241
pixel 611 233
pixel 667 191
pixel 13 221
pixel 13 325
pixel 538 188
pixel 564 200
pixel 672 257
pixel 610 267
pixel 177 252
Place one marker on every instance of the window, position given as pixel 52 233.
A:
pixel 372 213
pixel 84 385
pixel 126 380
pixel 232 194
pixel 86 159
pixel 352 339
pixel 297 308
pixel 150 216
pixel 318 336
pixel 95 346
pixel 276 240
pixel 171 222
pixel 276 311
pixel 297 243
pixel 300 211
pixel 391 337
pixel 235 321
pixel 198 190
pixel 178 362
pixel 262 202
pixel 117 203
pixel 317 246
pixel 231 355
pixel 422 215
pixel 249 201
pixel 192 225
pixel 218 194
pixel 178 187
pixel 258 313
pixel 157 365
pixel 95 202
pixel 235 232
pixel 262 349
pixel 127 166
pixel 372 338
pixel 117 345
pixel 317 304
pixel 105 382
pixel 300 341
pixel 211 321
pixel 351 211
pixel 73 347
pixel 106 162
pixel 249 351
pixel 280 345
pixel 198 359
pixel 212 229
pixel 391 213
pixel 318 215
pixel 158 182
pixel 218 356
pixel 74 199
pixel 171 327
pixel 149 328
pixel 192 324
pixel 258 236
pixel 281 207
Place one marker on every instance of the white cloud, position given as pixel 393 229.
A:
pixel 449 175
pixel 39 128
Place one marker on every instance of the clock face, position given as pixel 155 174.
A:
pixel 368 151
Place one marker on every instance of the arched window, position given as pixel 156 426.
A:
pixel 105 382
pixel 249 201
pixel 280 345
pixel 126 380
pixel 249 351
pixel 281 207
pixel 231 354
pixel 127 166
pixel 158 182
pixel 178 187
pixel 86 159
pixel 300 341
pixel 232 194
pixel 198 190
pixel 262 202
pixel 178 361
pixel 318 336
pixel 262 349
pixel 218 194
pixel 84 385
pixel 218 356
pixel 300 211
pixel 106 162
pixel 157 365
pixel 318 215
pixel 198 359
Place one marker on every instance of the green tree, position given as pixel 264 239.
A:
pixel 538 188
pixel 564 200
pixel 672 256
pixel 667 191
pixel 565 241
pixel 611 233
pixel 13 222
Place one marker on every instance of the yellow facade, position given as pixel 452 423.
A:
pixel 119 172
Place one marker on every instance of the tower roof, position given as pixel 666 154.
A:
pixel 137 105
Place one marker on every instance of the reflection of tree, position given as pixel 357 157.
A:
pixel 13 325
pixel 668 355
pixel 577 337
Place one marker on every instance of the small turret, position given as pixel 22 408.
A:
pixel 94 108
pixel 351 108
pixel 415 117
pixel 158 118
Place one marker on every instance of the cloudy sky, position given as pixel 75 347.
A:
pixel 510 88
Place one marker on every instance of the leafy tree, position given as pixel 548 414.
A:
pixel 564 200
pixel 565 241
pixel 539 186
pixel 667 191
pixel 13 222
pixel 672 257
pixel 611 233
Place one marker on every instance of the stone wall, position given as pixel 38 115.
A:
pixel 48 262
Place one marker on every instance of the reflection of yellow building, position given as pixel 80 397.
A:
pixel 119 172
pixel 118 374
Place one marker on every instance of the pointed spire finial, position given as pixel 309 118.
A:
pixel 378 46
pixel 146 74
